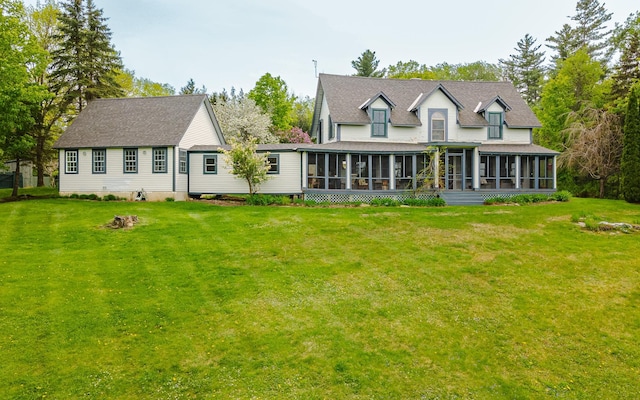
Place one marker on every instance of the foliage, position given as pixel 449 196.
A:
pixel 294 135
pixel 20 97
pixel 562 196
pixel 246 163
pixel 431 177
pixel 242 120
pixel 408 70
pixel 303 113
pixel 475 71
pixel 590 31
pixel 524 69
pixel 574 87
pixel 267 200
pixel 190 88
pixel 271 94
pixel 563 43
pixel 595 143
pixel 367 65
pixel 627 69
pixel 85 63
pixel 630 165
pixel 134 86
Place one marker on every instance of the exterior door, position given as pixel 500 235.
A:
pixel 454 171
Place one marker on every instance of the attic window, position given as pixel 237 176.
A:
pixel 495 125
pixel 379 122
pixel 437 127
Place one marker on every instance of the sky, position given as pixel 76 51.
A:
pixel 231 43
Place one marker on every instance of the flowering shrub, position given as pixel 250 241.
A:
pixel 294 135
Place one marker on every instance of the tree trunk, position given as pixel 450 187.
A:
pixel 602 184
pixel 16 179
pixel 40 158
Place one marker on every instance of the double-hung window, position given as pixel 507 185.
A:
pixel 130 161
pixel 438 127
pixel 160 160
pixel 379 122
pixel 99 161
pixel 71 161
pixel 495 125
pixel 183 162
pixel 210 163
pixel 274 164
pixel 332 133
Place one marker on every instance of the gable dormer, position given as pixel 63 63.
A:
pixel 437 114
pixel 379 109
pixel 494 112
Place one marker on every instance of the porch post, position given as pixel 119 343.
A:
pixel 517 177
pixel 436 169
pixel 392 172
pixel 348 185
pixel 305 162
pixel 476 168
pixel 555 176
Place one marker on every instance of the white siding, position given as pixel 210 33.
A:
pixel 115 181
pixel 287 181
pixel 201 130
pixel 324 120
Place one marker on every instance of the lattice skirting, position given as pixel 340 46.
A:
pixel 507 194
pixel 363 197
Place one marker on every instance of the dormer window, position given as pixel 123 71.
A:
pixel 495 125
pixel 379 122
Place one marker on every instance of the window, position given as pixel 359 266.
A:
pixel 99 161
pixel 274 164
pixel 183 162
pixel 438 127
pixel 160 161
pixel 379 122
pixel 130 161
pixel 332 133
pixel 71 161
pixel 210 162
pixel 495 125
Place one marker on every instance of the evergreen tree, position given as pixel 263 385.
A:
pixel 367 65
pixel 525 69
pixel 564 43
pixel 626 40
pixel 190 88
pixel 591 30
pixel 85 64
pixel 630 165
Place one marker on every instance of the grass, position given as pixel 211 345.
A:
pixel 201 301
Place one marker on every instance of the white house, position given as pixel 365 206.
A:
pixel 375 138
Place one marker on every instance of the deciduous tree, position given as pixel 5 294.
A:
pixel 246 163
pixel 242 120
pixel 271 94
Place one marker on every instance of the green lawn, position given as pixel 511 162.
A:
pixel 202 301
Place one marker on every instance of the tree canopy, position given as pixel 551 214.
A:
pixel 367 65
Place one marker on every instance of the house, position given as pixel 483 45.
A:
pixel 463 141
pixel 379 138
pixel 125 145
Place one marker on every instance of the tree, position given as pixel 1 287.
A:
pixel 630 165
pixel 590 31
pixel 246 163
pixel 303 113
pixel 408 70
pixel 271 94
pixel 294 135
pixel 626 39
pixel 85 64
pixel 19 95
pixel 190 88
pixel 49 118
pixel 142 87
pixel 525 69
pixel 564 43
pixel 575 86
pixel 475 71
pixel 367 65
pixel 594 145
pixel 242 120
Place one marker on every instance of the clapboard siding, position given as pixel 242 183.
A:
pixel 287 181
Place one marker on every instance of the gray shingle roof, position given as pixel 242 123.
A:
pixel 516 149
pixel 132 122
pixel 344 95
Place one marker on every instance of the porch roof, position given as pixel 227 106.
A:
pixel 365 147
pixel 516 149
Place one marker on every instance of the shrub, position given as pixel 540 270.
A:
pixel 74 196
pixel 109 197
pixel 266 199
pixel 385 202
pixel 436 202
pixel 563 195
pixel 169 199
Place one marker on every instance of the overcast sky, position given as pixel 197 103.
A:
pixel 225 43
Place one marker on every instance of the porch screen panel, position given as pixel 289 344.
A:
pixel 380 172
pixel 468 169
pixel 404 172
pixel 360 172
pixel 507 172
pixel 488 172
pixel 337 171
pixel 316 171
pixel 527 172
pixel 545 171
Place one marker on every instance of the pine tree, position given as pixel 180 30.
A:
pixel 626 40
pixel 564 43
pixel 590 31
pixel 86 63
pixel 630 165
pixel 525 69
pixel 367 65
